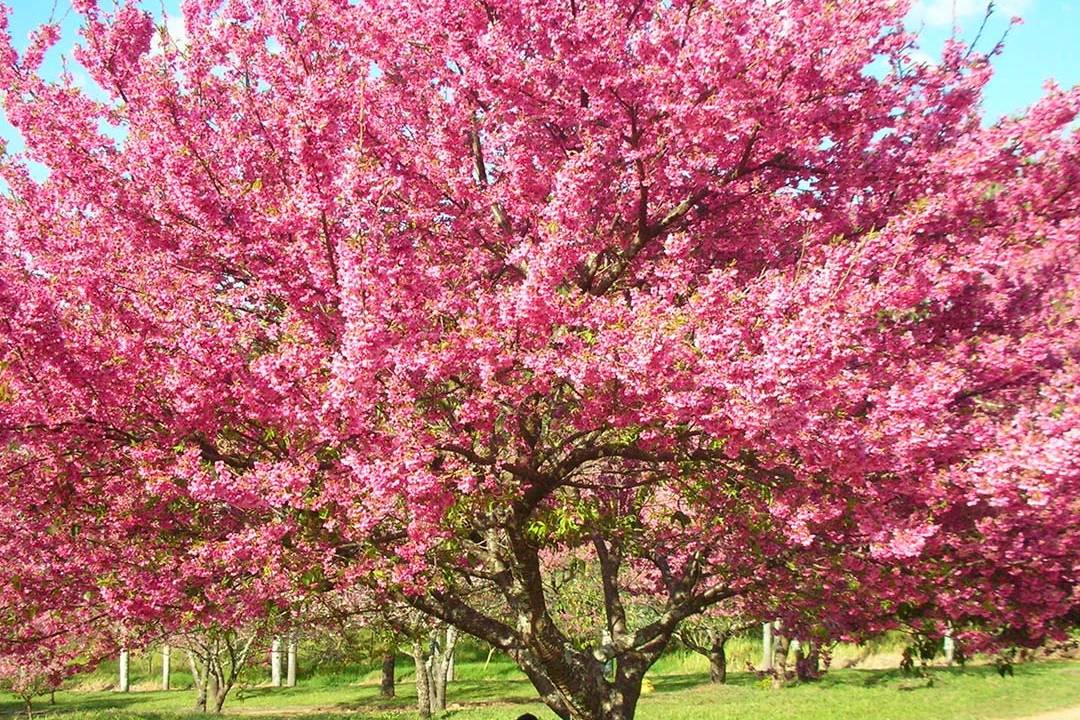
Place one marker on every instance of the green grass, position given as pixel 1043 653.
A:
pixel 681 693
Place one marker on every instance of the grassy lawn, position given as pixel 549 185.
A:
pixel 681 693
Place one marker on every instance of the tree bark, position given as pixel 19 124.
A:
pixel 718 664
pixel 781 643
pixel 215 697
pixel 711 643
pixel 450 656
pixel 440 667
pixel 386 686
pixel 219 697
pixel 198 677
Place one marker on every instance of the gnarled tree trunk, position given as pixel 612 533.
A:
pixel 573 682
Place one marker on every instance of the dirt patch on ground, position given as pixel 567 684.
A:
pixel 1066 714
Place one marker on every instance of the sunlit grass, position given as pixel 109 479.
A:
pixel 681 692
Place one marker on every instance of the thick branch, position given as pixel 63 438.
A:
pixel 610 558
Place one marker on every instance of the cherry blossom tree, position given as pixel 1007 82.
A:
pixel 39 673
pixel 732 296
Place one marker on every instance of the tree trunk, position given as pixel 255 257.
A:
pixel 198 677
pixel 386 686
pixel 439 665
pixel 219 697
pixel 290 665
pixel 124 683
pixel 213 692
pixel 423 690
pixel 275 662
pixel 808 662
pixel 570 680
pixel 437 705
pixel 718 664
pixel 588 694
pixel 450 654
pixel 782 643
pixel 767 646
pixel 165 658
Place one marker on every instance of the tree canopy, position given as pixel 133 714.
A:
pixel 738 300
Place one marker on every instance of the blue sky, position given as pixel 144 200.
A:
pixel 1046 45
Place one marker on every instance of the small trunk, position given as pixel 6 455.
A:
pixel 165 667
pixel 124 683
pixel 290 665
pixel 200 697
pixel 386 687
pixel 717 655
pixel 767 646
pixel 275 662
pixel 439 668
pixel 782 643
pixel 438 705
pixel 423 690
pixel 219 698
pixel 808 662
pixel 29 708
pixel 198 677
pixel 213 693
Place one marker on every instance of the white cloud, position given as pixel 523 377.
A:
pixel 177 32
pixel 943 13
pixel 921 57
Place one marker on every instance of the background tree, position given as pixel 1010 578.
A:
pixel 217 657
pixel 708 633
pixel 41 673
